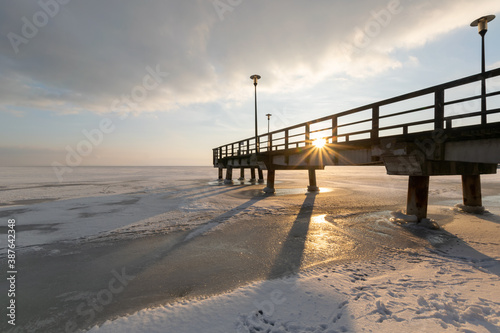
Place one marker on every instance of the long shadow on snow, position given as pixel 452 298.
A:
pixel 290 257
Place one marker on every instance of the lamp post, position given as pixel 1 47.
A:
pixel 256 77
pixel 268 119
pixel 482 26
pixel 268 135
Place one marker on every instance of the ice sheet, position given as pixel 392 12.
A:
pixel 403 277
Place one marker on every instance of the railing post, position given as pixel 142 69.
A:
pixel 439 109
pixel 334 129
pixel 335 138
pixel 248 147
pixel 375 122
pixel 308 136
pixel 286 139
pixel 269 142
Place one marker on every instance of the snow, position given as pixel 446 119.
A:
pixel 470 209
pixel 444 280
pixel 402 218
pixel 406 292
pixel 454 286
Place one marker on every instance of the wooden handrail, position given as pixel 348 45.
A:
pixel 248 145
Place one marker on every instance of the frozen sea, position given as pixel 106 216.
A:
pixel 171 249
pixel 91 201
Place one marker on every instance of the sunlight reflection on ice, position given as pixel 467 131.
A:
pixel 325 240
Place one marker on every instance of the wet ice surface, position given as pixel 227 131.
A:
pixel 180 235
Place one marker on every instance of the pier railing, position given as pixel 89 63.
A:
pixel 424 110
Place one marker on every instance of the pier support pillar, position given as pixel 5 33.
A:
pixel 252 174
pixel 471 189
pixel 242 174
pixel 229 175
pixel 313 187
pixel 270 181
pixel 261 176
pixel 418 195
pixel 220 174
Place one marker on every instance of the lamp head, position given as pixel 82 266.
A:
pixel 482 24
pixel 255 77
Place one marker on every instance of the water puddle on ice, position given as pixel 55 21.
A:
pixel 258 192
pixel 363 235
pixel 294 191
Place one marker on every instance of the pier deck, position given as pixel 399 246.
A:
pixel 441 130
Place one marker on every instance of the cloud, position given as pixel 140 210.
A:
pixel 91 54
pixel 493 66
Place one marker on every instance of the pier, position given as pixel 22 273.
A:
pixel 437 131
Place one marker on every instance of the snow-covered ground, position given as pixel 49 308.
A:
pixel 445 280
pixel 453 288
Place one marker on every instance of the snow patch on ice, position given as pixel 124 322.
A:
pixel 470 209
pixel 198 206
pixel 400 218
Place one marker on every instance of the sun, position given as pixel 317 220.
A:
pixel 319 143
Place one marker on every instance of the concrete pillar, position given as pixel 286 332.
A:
pixel 242 174
pixel 229 175
pixel 220 174
pixel 471 189
pixel 252 174
pixel 313 187
pixel 261 176
pixel 270 181
pixel 418 194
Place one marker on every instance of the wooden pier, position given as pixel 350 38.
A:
pixel 425 133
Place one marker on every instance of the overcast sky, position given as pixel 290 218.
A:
pixel 121 82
